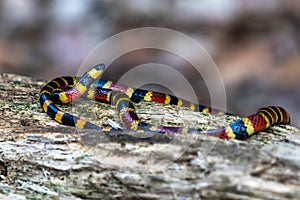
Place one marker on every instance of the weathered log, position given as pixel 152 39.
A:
pixel 42 159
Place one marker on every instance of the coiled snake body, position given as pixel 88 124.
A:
pixel 64 90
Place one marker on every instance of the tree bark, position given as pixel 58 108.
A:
pixel 42 159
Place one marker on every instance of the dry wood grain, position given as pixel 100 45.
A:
pixel 41 159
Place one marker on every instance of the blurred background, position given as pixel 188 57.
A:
pixel 254 43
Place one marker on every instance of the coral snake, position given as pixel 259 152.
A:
pixel 64 90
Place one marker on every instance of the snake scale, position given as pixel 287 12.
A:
pixel 64 90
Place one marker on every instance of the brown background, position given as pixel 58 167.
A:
pixel 255 44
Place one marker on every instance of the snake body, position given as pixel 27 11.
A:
pixel 64 90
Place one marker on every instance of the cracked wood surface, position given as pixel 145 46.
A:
pixel 42 159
